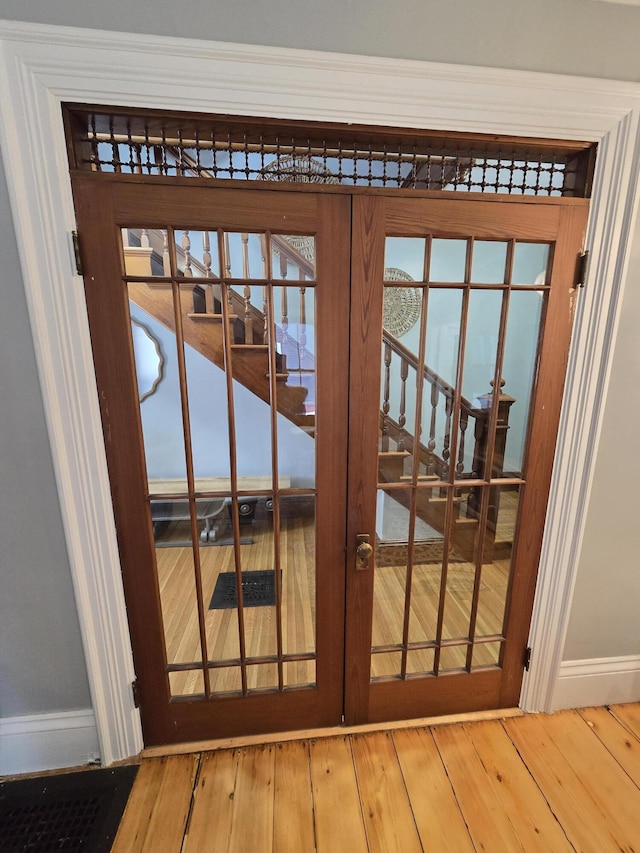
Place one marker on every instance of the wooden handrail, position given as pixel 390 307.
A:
pixel 431 376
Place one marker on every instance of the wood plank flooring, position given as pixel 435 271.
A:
pixel 563 782
pixel 176 573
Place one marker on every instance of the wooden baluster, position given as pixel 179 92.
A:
pixel 303 317
pixel 284 304
pixel 384 442
pixel 137 159
pixel 186 248
pixel 115 151
pixel 265 312
pixel 402 417
pixel 464 422
pixel 246 291
pixel 245 255
pixel 227 256
pixel 166 257
pixel 265 292
pixel 206 254
pixel 504 402
pixel 206 260
pixel 248 322
pixel 480 434
pixel 431 444
pixel 284 266
pixel 446 453
pixel 227 274
pixel 144 238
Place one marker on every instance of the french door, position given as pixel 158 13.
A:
pixel 329 422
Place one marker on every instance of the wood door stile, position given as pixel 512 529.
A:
pixel 366 323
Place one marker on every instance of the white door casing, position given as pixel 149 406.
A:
pixel 40 67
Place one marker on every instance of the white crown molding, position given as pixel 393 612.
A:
pixel 42 66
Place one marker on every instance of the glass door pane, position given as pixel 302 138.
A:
pixel 444 534
pixel 227 358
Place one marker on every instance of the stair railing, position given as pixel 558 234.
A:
pixel 400 365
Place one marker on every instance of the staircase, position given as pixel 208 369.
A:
pixel 202 318
pixel 202 321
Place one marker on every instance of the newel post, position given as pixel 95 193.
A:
pixel 483 416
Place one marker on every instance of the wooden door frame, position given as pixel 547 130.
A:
pixel 41 66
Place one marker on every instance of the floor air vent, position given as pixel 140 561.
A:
pixel 69 812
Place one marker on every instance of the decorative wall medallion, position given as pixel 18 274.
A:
pixel 299 168
pixel 402 305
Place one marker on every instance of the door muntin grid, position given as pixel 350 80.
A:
pixel 230 453
pixel 447 508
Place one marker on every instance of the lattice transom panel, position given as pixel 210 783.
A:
pixel 186 146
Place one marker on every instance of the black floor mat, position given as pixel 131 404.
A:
pixel 258 590
pixel 67 812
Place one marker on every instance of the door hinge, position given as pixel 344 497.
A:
pixel 526 662
pixel 77 255
pixel 136 693
pixel 583 268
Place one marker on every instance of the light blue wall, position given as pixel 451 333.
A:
pixel 206 386
pixel 444 312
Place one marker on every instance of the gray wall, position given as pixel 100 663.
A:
pixel 41 661
pixel 561 36
pixel 41 666
pixel 604 616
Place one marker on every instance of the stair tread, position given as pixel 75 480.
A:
pixel 421 478
pixel 394 454
pixel 198 315
pixel 252 347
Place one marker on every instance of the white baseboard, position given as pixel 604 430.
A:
pixel 597 681
pixel 47 741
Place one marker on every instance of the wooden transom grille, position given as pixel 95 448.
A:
pixel 186 145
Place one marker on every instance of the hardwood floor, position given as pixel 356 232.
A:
pixel 563 782
pixel 175 566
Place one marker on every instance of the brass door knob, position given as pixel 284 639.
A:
pixel 364 550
